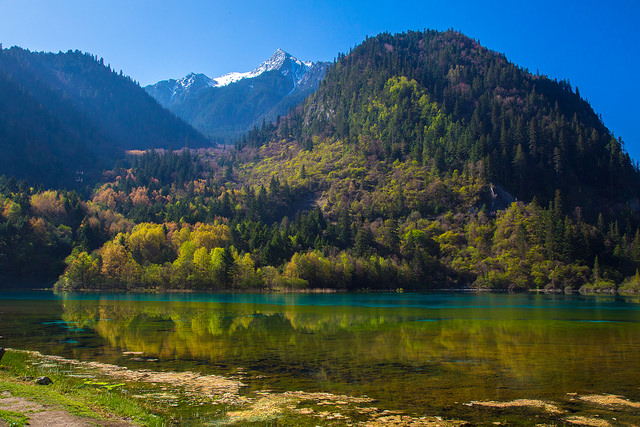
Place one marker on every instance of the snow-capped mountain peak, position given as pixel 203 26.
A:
pixel 280 61
pixel 225 107
pixel 179 89
pixel 193 81
pixel 300 73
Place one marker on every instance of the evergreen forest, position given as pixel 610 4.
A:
pixel 66 117
pixel 423 161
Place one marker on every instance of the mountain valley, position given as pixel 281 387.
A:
pixel 226 107
pixel 422 161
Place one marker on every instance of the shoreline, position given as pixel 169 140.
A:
pixel 172 397
pixel 314 291
pixel 94 393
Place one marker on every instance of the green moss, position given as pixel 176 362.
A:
pixel 14 419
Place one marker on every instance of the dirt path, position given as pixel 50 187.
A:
pixel 47 415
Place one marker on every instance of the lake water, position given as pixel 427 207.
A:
pixel 421 353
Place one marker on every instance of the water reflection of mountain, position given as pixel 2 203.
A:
pixel 489 348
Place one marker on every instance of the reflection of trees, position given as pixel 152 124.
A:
pixel 393 348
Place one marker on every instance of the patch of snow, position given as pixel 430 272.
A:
pixel 229 78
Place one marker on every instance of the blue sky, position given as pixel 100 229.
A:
pixel 593 44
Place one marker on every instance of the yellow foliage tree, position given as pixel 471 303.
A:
pixel 211 236
pixel 245 275
pixel 148 244
pixel 118 266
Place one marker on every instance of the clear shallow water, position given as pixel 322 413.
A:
pixel 423 353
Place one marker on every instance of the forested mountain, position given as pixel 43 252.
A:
pixel 423 161
pixel 67 116
pixel 463 103
pixel 226 107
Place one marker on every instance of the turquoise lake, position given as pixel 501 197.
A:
pixel 420 353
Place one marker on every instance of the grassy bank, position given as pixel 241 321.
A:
pixel 83 399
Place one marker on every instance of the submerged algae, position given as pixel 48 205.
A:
pixel 175 394
pixel 188 397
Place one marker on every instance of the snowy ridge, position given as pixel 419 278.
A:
pixel 302 74
pixel 192 83
pixel 192 80
pixel 229 78
pixel 280 61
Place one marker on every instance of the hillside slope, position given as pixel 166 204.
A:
pixel 68 112
pixel 534 135
pixel 423 161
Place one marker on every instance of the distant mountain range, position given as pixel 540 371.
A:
pixel 65 117
pixel 228 106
